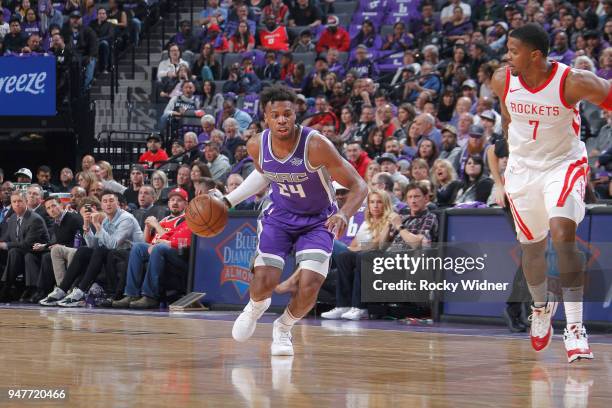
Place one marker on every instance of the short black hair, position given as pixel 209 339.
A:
pixel 43 169
pixel 533 35
pixel 277 93
pixel 111 192
pixel 52 197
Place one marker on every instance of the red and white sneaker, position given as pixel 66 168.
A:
pixel 577 343
pixel 541 327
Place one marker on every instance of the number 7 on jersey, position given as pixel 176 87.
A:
pixel 535 124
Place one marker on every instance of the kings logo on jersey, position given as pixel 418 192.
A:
pixel 235 253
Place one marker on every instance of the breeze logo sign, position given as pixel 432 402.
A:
pixel 235 253
pixel 27 86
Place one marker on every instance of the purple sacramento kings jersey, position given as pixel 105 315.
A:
pixel 353 225
pixel 297 187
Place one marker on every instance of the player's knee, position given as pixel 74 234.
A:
pixel 310 285
pixel 562 235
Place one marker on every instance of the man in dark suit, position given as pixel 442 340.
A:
pixel 67 230
pixel 146 201
pixel 25 228
pixel 34 201
pixel 5 204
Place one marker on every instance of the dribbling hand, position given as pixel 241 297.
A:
pixel 336 224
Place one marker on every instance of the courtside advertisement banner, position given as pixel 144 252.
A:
pixel 27 86
pixel 223 264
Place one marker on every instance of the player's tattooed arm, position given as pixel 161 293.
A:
pixel 498 85
pixel 584 85
pixel 342 172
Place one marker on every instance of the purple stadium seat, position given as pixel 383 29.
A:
pixel 375 16
pixel 391 62
pixel 250 104
pixel 372 5
pixel 397 17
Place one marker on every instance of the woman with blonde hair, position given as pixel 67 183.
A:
pixel 446 185
pixel 159 181
pixel 105 174
pixel 86 179
pixel 370 235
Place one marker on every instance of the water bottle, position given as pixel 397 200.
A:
pixel 77 239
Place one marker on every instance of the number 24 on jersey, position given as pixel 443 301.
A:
pixel 288 189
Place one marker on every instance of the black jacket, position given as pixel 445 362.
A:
pixel 104 31
pixel 86 41
pixel 156 211
pixel 14 43
pixel 63 234
pixel 40 210
pixel 33 230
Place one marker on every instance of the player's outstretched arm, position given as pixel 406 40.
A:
pixel 584 85
pixel 341 171
pixel 254 183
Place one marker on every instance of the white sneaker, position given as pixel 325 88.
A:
pixel 53 297
pixel 281 341
pixel 76 298
pixel 355 314
pixel 541 331
pixel 245 324
pixel 577 343
pixel 335 313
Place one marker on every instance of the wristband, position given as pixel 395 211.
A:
pixel 227 202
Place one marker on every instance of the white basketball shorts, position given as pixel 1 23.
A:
pixel 536 196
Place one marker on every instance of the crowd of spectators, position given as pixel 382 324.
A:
pixel 82 32
pixel 406 79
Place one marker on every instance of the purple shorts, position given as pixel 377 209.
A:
pixel 281 231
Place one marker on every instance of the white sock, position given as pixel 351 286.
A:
pixel 287 320
pixel 572 301
pixel 538 293
pixel 260 306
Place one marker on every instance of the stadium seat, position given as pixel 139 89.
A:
pixel 345 8
pixel 308 58
pixel 343 57
pixel 386 30
pixel 345 19
pixel 231 58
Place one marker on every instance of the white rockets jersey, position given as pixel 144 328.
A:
pixel 544 129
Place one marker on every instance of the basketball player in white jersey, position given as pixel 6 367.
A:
pixel 547 174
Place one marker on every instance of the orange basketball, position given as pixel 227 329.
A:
pixel 206 216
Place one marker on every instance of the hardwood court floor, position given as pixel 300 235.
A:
pixel 126 360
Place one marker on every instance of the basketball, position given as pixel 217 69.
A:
pixel 206 216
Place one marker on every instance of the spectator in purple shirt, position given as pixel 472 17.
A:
pixel 362 65
pixel 368 37
pixel 30 24
pixel 90 13
pixel 5 11
pixel 399 40
pixel 458 27
pixel 606 64
pixel 561 52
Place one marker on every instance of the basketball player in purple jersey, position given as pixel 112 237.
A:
pixel 299 163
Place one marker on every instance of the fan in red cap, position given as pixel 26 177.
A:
pixel 178 192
